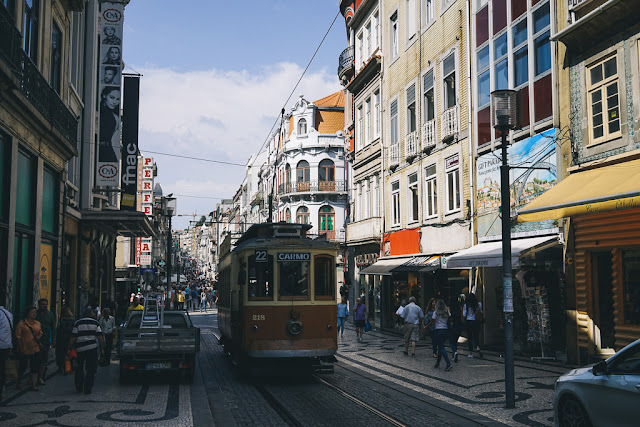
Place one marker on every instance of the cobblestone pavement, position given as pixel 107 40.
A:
pixel 374 371
pixel 474 384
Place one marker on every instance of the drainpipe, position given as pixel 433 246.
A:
pixel 470 112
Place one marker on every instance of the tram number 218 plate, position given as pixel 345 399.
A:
pixel 258 317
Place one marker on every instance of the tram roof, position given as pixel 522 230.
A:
pixel 279 234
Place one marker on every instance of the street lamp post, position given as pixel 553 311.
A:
pixel 503 117
pixel 170 210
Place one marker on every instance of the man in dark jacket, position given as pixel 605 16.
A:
pixel 48 324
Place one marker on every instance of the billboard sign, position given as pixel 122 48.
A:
pixel 129 180
pixel 110 76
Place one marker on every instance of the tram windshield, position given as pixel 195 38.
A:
pixel 324 277
pixel 260 277
pixel 294 279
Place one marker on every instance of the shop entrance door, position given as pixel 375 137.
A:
pixel 602 300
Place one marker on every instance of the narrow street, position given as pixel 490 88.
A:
pixel 373 384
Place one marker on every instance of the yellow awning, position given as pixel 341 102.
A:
pixel 608 188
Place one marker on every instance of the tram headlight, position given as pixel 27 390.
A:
pixel 294 327
pixel 255 328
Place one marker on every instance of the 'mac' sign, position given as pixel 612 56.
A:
pixel 294 256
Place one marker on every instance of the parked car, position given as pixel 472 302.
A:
pixel 604 394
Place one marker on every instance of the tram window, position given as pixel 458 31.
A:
pixel 294 280
pixel 260 279
pixel 324 275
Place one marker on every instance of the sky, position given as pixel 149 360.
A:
pixel 215 75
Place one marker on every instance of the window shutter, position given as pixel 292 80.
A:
pixel 449 64
pixel 428 81
pixel 394 108
pixel 411 94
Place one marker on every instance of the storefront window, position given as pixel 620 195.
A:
pixel 631 286
pixel 294 279
pixel 260 276
pixel 324 274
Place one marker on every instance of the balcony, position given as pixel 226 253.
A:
pixel 346 64
pixel 394 155
pixel 312 187
pixel 449 122
pixel 593 21
pixel 366 230
pixel 411 145
pixel 429 135
pixel 33 85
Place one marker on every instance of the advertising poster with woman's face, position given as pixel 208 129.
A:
pixel 108 156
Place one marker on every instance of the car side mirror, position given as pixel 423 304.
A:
pixel 600 368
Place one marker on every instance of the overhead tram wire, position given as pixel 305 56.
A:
pixel 298 83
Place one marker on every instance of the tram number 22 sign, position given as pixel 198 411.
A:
pixel 261 255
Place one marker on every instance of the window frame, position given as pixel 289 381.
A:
pixel 409 112
pixel 431 192
pixel 445 92
pixel 428 13
pixel 411 18
pixel 413 198
pixel 394 120
pixel 302 127
pixel 268 274
pixel 394 35
pixel 601 87
pixel 481 71
pixel 515 49
pixel 395 204
pixel 377 116
pixel 432 88
pixel 328 275
pixel 31 29
pixel 301 213
pixel 327 214
pixel 536 35
pixel 359 127
pixel 367 121
pixel 280 277
pixel 454 172
pixel 57 54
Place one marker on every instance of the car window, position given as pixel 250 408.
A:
pixel 628 362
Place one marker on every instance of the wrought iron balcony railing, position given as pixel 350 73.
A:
pixel 312 187
pixel 449 122
pixel 411 145
pixel 346 62
pixel 429 135
pixel 32 83
pixel 394 155
pixel 575 4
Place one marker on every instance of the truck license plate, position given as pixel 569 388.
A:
pixel 163 365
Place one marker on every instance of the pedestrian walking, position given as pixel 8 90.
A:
pixel 360 318
pixel 471 312
pixel 48 325
pixel 181 294
pixel 440 320
pixel 455 325
pixel 195 298
pixel 343 313
pixel 83 339
pixel 203 301
pixel 6 344
pixel 413 319
pixel 135 306
pixel 431 308
pixel 28 333
pixel 63 337
pixel 108 325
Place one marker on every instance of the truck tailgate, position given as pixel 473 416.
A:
pixel 152 340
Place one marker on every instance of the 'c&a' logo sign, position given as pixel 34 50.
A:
pixel 112 15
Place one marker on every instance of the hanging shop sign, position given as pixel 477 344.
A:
pixel 110 75
pixel 129 181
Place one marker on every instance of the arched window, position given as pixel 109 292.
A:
pixel 287 215
pixel 302 127
pixel 327 219
pixel 303 176
pixel 326 175
pixel 302 215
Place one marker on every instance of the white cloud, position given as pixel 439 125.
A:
pixel 215 114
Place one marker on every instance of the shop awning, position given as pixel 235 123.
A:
pixel 421 264
pixel 383 266
pixel 490 254
pixel 609 188
pixel 121 223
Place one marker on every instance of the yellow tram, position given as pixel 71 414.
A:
pixel 277 297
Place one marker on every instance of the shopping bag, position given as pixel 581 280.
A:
pixel 73 360
pixel 11 370
pixel 367 326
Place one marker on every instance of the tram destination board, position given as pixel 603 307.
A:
pixel 294 256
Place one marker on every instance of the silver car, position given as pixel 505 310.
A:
pixel 604 394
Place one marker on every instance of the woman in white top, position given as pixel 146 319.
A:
pixel 440 320
pixel 471 307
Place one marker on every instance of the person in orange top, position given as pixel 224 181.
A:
pixel 28 333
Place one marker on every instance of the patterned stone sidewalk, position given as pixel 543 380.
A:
pixel 474 384
pixel 157 402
